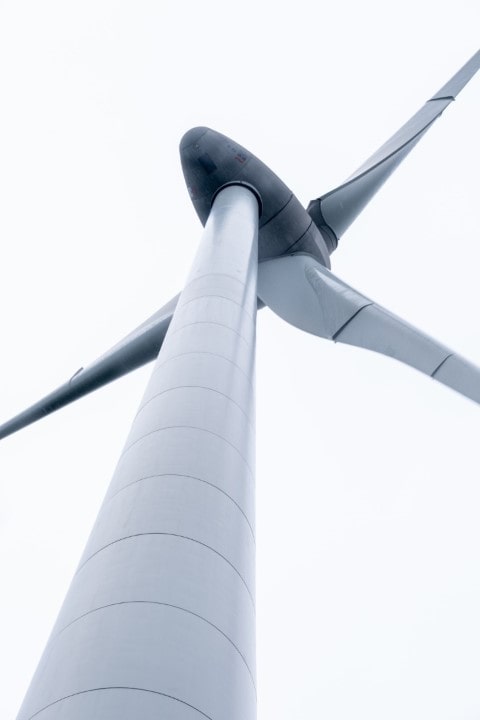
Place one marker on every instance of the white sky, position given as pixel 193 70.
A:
pixel 368 473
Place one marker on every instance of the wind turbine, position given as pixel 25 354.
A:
pixel 160 614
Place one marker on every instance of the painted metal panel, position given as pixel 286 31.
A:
pixel 151 647
pixel 179 451
pixel 122 704
pixel 193 577
pixel 181 507
pixel 161 610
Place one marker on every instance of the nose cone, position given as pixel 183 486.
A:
pixel 191 137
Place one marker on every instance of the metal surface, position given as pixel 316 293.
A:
pixel 210 159
pixel 338 208
pixel 159 620
pixel 307 295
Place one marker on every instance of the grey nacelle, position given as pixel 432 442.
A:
pixel 211 160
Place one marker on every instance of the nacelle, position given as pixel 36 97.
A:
pixel 211 160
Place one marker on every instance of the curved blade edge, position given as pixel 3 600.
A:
pixel 338 208
pixel 139 347
pixel 310 297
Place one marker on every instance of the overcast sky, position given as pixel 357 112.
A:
pixel 368 502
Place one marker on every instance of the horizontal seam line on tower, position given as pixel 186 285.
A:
pixel 215 295
pixel 210 322
pixel 167 534
pixel 187 427
pixel 215 274
pixel 120 687
pixel 195 387
pixel 203 352
pixel 191 477
pixel 161 604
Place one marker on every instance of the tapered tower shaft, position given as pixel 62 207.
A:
pixel 159 621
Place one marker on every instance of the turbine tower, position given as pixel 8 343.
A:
pixel 159 620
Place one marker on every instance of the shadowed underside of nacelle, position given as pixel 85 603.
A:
pixel 211 160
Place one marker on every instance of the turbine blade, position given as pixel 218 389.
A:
pixel 337 209
pixel 307 295
pixel 139 347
